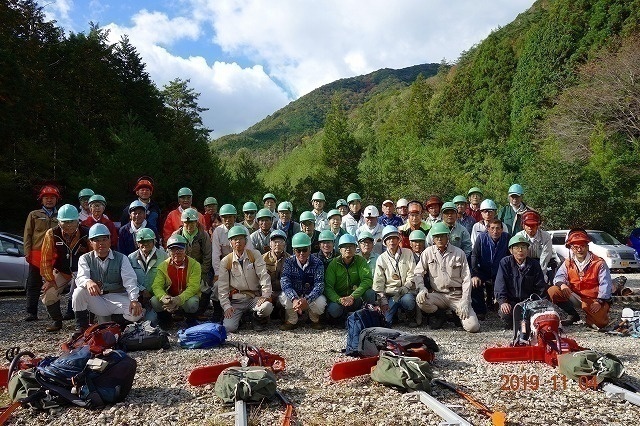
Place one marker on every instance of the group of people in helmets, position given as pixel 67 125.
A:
pixel 421 263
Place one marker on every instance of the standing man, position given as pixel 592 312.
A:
pixel 540 246
pixel 61 248
pixel 458 235
pixel 402 207
pixel 318 201
pixel 372 226
pixel 353 220
pixel 106 283
pixel 220 245
pixel 144 190
pixel 308 225
pixel 260 238
pixel 475 198
pixel 269 201
pixel 83 209
pixel 174 218
pixel 249 210
pixel 97 205
pixel 365 244
pixel 347 282
pixel 327 252
pixel 433 206
pixel 302 285
pixel 417 243
pixel 583 280
pixel 511 215
pixel 463 219
pixel 335 220
pixel 244 285
pixel 445 267
pixel 488 251
pixel 389 217
pixel 127 243
pixel 343 207
pixel 210 212
pixel 414 222
pixel 518 277
pixel 285 224
pixel 489 211
pixel 38 223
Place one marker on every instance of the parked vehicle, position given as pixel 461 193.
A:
pixel 634 240
pixel 13 266
pixel 614 253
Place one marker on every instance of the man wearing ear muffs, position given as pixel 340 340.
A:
pixel 583 280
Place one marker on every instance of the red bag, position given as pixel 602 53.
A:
pixel 98 337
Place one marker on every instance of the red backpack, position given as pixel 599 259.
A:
pixel 98 337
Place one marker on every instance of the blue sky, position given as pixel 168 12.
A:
pixel 249 58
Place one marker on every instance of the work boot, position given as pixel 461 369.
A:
pixel 56 315
pixel 287 326
pixel 259 323
pixel 31 317
pixel 411 318
pixel 573 315
pixel 164 320
pixel 69 315
pixel 437 319
pixel 317 325
pixel 82 323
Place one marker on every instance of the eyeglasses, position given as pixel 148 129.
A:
pixel 301 250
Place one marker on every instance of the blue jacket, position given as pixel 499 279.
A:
pixel 297 283
pixel 487 254
pixel 394 220
pixel 127 240
pixel 514 285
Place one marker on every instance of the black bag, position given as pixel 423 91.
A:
pixel 372 340
pixel 142 336
pixel 357 321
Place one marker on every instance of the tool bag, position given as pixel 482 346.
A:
pixel 590 363
pixel 142 336
pixel 374 339
pixel 357 321
pixel 249 384
pixel 98 337
pixel 201 336
pixel 402 372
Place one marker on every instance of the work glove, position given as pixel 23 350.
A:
pixel 422 297
pixel 165 299
pixel 463 312
pixel 173 304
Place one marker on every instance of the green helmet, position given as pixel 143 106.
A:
pixel 389 231
pixel 264 213
pixel 99 230
pixel 97 199
pixel 183 192
pixel 277 233
pixel 318 196
pixel 176 240
pixel 333 212
pixel 364 235
pixel 307 216
pixel 459 199
pixel 341 202
pixel 417 235
pixel 448 206
pixel 137 204
pixel 519 239
pixel 209 201
pixel 189 215
pixel 284 206
pixel 86 192
pixel 353 197
pixel 67 213
pixel 145 234
pixel 488 205
pixel 475 189
pixel 268 196
pixel 516 189
pixel 237 230
pixel 249 206
pixel 326 235
pixel 347 239
pixel 440 228
pixel 228 210
pixel 300 240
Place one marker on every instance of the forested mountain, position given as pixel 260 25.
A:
pixel 551 101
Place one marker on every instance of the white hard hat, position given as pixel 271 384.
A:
pixel 402 202
pixel 371 211
pixel 627 313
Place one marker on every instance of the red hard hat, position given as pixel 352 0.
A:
pixel 432 201
pixel 531 217
pixel 143 183
pixel 49 190
pixel 577 237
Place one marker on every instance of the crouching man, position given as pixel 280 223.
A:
pixel 177 283
pixel 106 283
pixel 446 269
pixel 302 284
pixel 244 285
pixel 347 281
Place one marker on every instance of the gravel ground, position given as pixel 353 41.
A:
pixel 162 396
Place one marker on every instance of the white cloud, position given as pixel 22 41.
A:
pixel 58 11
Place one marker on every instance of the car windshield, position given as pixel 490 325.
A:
pixel 602 238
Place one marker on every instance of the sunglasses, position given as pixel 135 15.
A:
pixel 301 250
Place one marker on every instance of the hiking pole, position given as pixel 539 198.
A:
pixel 498 418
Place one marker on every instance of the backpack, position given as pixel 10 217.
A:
pixel 402 372
pixel 250 384
pixel 25 389
pixel 590 363
pixel 206 335
pixel 143 336
pixel 359 320
pixel 98 337
pixel 374 339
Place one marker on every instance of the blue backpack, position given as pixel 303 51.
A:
pixel 359 320
pixel 206 335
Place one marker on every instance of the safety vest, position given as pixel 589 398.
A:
pixel 585 283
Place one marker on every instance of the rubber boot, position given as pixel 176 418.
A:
pixel 164 320
pixel 56 315
pixel 571 311
pixel 69 315
pixel 411 318
pixel 437 319
pixel 259 323
pixel 82 323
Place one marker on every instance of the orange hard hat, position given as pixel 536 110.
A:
pixel 432 201
pixel 531 217
pixel 49 190
pixel 577 237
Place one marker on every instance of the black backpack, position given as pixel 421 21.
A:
pixel 357 321
pixel 375 339
pixel 142 336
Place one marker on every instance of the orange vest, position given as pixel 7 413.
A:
pixel 585 283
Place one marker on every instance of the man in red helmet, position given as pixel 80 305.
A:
pixel 583 280
pixel 144 190
pixel 433 206
pixel 38 223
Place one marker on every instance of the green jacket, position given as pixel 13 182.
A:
pixel 162 282
pixel 341 281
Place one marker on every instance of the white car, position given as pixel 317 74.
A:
pixel 14 269
pixel 616 254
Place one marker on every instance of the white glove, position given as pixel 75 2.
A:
pixel 463 312
pixel 422 297
pixel 165 299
